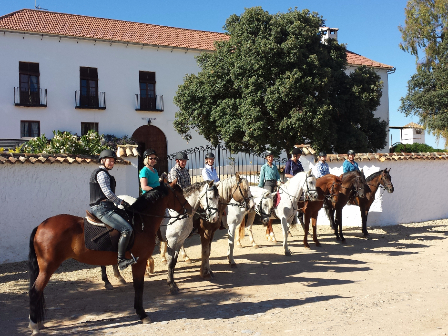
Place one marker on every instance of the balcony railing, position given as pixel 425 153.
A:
pixel 149 103
pixel 30 98
pixel 90 101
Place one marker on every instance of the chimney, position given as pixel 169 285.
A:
pixel 328 33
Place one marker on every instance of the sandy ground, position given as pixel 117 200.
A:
pixel 394 284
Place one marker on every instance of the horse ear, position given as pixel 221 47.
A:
pixel 237 175
pixel 210 183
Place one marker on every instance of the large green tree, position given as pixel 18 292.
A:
pixel 424 35
pixel 273 84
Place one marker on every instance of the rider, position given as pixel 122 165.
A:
pixel 269 174
pixel 149 178
pixel 293 166
pixel 350 164
pixel 179 173
pixel 322 168
pixel 209 172
pixel 104 202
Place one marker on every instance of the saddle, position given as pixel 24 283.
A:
pixel 99 236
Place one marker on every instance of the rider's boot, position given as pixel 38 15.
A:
pixel 122 245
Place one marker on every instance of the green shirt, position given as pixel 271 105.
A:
pixel 152 178
pixel 268 173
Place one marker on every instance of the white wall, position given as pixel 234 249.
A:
pixel 410 136
pixel 31 193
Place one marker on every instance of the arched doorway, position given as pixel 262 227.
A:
pixel 149 136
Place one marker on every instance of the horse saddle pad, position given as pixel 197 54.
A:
pixel 277 199
pixel 101 237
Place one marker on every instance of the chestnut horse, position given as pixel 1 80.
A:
pixel 353 185
pixel 61 237
pixel 381 178
pixel 328 187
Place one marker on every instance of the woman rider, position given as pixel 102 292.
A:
pixel 209 172
pixel 350 164
pixel 294 166
pixel 149 178
pixel 104 202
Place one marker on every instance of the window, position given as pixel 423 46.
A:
pixel 88 126
pixel 147 81
pixel 89 87
pixel 29 129
pixel 29 83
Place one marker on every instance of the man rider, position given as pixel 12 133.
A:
pixel 104 202
pixel 179 173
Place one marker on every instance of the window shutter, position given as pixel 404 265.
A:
pixel 147 76
pixel 88 73
pixel 30 68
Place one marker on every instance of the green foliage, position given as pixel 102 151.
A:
pixel 17 149
pixel 414 148
pixel 273 84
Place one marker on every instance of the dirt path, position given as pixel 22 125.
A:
pixel 394 284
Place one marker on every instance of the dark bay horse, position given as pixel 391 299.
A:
pixel 328 187
pixel 381 178
pixel 61 237
pixel 353 185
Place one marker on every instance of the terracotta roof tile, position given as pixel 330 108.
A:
pixel 61 24
pixel 12 158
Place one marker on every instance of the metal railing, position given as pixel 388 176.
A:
pixel 148 103
pixel 30 98
pixel 248 165
pixel 90 101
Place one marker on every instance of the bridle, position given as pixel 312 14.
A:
pixel 259 208
pixel 355 189
pixel 244 204
pixel 208 210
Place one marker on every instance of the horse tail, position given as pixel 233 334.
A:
pixel 37 301
pixel 242 231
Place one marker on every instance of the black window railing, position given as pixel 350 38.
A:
pixel 149 103
pixel 30 98
pixel 90 101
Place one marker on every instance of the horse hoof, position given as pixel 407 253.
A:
pixel 343 241
pixel 164 262
pixel 174 290
pixel 268 237
pixel 146 320
pixel 288 253
pixel 109 286
pixel 34 327
pixel 306 246
pixel 233 265
pixel 367 236
pixel 122 281
pixel 255 246
pixel 188 261
pixel 318 244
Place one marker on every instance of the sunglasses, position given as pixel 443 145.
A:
pixel 153 158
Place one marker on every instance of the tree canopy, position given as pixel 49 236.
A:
pixel 424 33
pixel 274 84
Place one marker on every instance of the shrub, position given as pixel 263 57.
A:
pixel 414 148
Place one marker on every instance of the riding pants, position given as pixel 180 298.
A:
pixel 105 211
pixel 270 185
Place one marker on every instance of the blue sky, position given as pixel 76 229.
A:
pixel 367 27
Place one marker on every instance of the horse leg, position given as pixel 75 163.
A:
pixel 104 277
pixel 206 240
pixel 364 215
pixel 241 232
pixel 138 275
pixel 339 225
pixel 184 256
pixel 172 261
pixel 300 217
pixel 285 236
pixel 163 252
pixel 231 240
pixel 150 267
pixel 250 221
pixel 270 232
pixel 306 228
pixel 330 214
pixel 314 224
pixel 118 275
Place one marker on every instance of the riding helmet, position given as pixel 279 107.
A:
pixel 322 154
pixel 149 152
pixel 351 152
pixel 296 151
pixel 268 153
pixel 181 156
pixel 107 153
pixel 210 156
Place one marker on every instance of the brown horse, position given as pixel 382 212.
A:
pixel 372 183
pixel 328 187
pixel 61 237
pixel 353 185
pixel 233 187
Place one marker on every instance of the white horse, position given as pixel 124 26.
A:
pixel 262 203
pixel 289 193
pixel 174 229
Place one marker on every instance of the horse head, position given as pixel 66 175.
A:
pixel 264 207
pixel 386 181
pixel 241 192
pixel 310 189
pixel 359 184
pixel 209 201
pixel 177 201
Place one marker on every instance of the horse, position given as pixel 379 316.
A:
pixel 61 237
pixel 175 229
pixel 373 181
pixel 174 232
pixel 353 185
pixel 262 205
pixel 328 187
pixel 289 193
pixel 233 187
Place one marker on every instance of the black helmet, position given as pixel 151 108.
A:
pixel 296 151
pixel 149 152
pixel 351 152
pixel 210 156
pixel 268 153
pixel 323 153
pixel 107 153
pixel 181 156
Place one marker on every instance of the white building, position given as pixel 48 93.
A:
pixel 411 133
pixel 75 73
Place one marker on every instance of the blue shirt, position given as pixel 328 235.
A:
pixel 322 169
pixel 293 168
pixel 209 174
pixel 268 173
pixel 152 178
pixel 347 166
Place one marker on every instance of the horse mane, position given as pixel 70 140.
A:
pixel 374 175
pixel 150 197
pixel 225 187
pixel 196 187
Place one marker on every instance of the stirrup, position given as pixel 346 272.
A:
pixel 123 263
